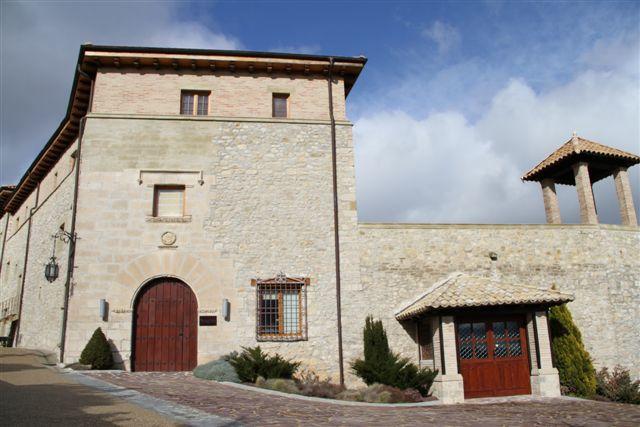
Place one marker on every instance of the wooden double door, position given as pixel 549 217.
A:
pixel 493 356
pixel 165 329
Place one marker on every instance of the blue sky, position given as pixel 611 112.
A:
pixel 457 101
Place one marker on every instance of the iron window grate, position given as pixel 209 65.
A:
pixel 281 308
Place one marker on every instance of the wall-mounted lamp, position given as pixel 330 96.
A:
pixel 52 269
pixel 104 310
pixel 226 309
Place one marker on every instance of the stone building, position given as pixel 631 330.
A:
pixel 195 201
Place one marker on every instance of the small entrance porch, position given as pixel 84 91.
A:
pixel 488 338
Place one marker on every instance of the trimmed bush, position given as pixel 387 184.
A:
pixel 97 352
pixel 577 375
pixel 218 370
pixel 618 386
pixel 253 363
pixel 380 365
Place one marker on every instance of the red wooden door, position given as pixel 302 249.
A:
pixel 492 354
pixel 165 327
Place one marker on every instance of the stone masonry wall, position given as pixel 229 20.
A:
pixel 598 264
pixel 41 319
pixel 265 206
pixel 130 91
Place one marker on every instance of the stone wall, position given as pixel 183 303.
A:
pixel 45 211
pixel 599 264
pixel 265 206
pixel 232 95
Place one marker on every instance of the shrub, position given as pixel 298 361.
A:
pixel 218 370
pixel 310 384
pixel 618 386
pixel 253 362
pixel 97 352
pixel 278 384
pixel 381 393
pixel 571 358
pixel 381 365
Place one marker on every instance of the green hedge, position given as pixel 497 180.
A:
pixel 577 374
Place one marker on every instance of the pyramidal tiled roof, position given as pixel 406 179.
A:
pixel 463 290
pixel 575 146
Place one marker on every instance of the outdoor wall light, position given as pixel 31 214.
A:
pixel 226 309
pixel 52 269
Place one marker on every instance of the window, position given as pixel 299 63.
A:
pixel 168 201
pixel 425 340
pixel 281 309
pixel 192 102
pixel 280 104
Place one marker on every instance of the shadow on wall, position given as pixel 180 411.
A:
pixel 118 361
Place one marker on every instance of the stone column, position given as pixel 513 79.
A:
pixel 447 386
pixel 625 199
pixel 544 377
pixel 585 193
pixel 551 206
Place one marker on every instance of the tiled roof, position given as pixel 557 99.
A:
pixel 462 290
pixel 576 146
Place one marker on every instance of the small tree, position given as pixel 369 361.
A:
pixel 571 358
pixel 382 366
pixel 97 352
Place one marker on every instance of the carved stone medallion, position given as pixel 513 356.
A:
pixel 168 238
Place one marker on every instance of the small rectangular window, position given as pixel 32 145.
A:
pixel 280 105
pixel 168 201
pixel 281 309
pixel 194 102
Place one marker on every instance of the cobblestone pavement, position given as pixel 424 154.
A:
pixel 254 408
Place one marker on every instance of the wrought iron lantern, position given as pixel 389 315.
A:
pixel 52 269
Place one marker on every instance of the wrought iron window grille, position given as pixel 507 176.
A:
pixel 281 308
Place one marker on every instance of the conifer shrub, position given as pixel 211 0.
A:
pixel 97 352
pixel 253 363
pixel 575 368
pixel 381 366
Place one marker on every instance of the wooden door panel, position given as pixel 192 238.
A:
pixel 495 363
pixel 165 327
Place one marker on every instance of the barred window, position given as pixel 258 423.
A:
pixel 281 309
pixel 194 102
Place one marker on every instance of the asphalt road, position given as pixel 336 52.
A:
pixel 36 395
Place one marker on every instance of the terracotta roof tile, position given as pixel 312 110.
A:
pixel 462 290
pixel 575 146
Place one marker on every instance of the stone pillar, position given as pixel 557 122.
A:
pixel 585 193
pixel 447 386
pixel 551 206
pixel 544 377
pixel 625 199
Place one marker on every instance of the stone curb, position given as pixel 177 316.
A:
pixel 330 401
pixel 182 414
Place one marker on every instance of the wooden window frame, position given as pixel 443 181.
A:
pixel 280 95
pixel 196 100
pixel 156 190
pixel 278 286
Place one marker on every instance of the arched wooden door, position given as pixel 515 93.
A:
pixel 165 327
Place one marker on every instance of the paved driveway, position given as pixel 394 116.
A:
pixel 254 408
pixel 34 395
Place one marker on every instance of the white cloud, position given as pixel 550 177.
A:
pixel 440 167
pixel 444 35
pixel 40 42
